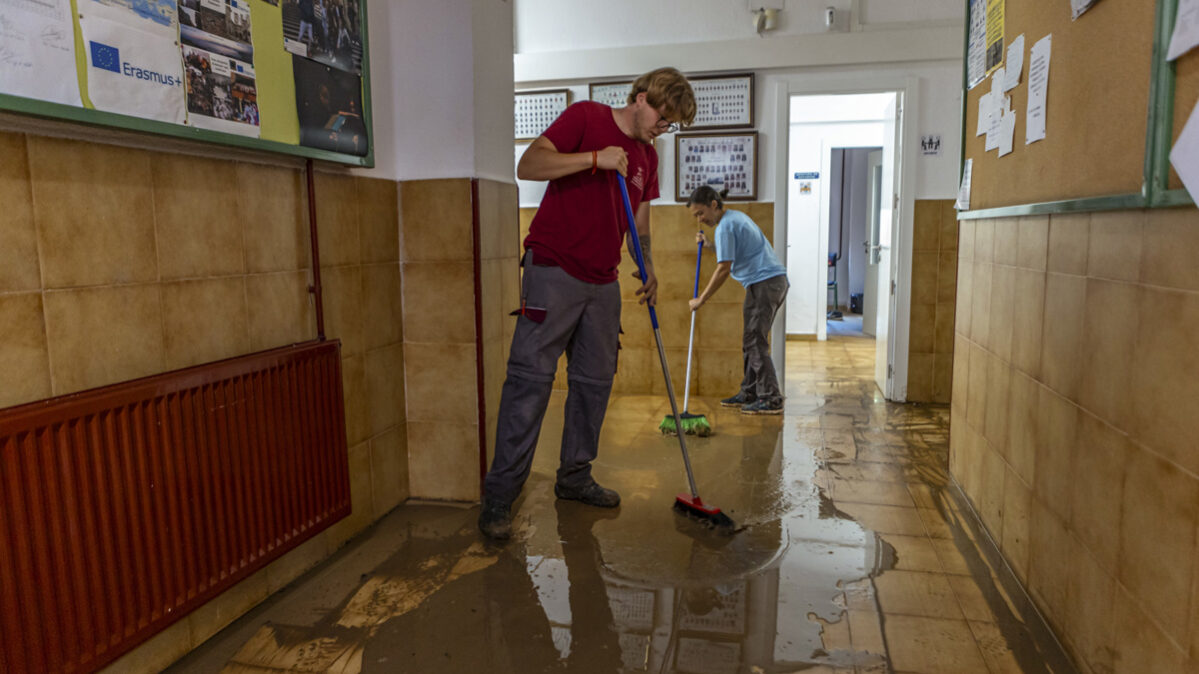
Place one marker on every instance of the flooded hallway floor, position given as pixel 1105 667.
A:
pixel 852 556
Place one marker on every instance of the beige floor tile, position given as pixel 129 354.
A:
pixel 932 645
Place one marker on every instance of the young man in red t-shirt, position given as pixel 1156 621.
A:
pixel 570 297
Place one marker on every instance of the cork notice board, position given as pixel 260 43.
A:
pixel 1096 108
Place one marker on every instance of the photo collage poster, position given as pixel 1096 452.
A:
pixel 326 31
pixel 329 106
pixel 719 161
pixel 218 60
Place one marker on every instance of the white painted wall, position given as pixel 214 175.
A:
pixel 441 89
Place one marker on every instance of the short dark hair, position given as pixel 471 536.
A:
pixel 706 194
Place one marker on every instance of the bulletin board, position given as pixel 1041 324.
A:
pixel 1096 108
pixel 263 75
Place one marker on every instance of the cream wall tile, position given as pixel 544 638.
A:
pixel 272 207
pixel 1089 613
pixel 947 276
pixel 1115 245
pixel 19 268
pixel 103 336
pixel 927 221
pixel 718 325
pixel 361 499
pixel 526 221
pixel 976 403
pixel 1165 391
pixel 964 311
pixel 204 321
pixel 923 326
pixel 949 226
pixel 995 428
pixel 443 461
pixel 1028 315
pixel 1032 242
pixel 499 223
pixel 389 470
pixel 1109 338
pixel 342 291
pixel 980 311
pixel 1003 308
pixel 292 565
pixel 354 395
pixel 1049 567
pixel 1017 506
pixel 719 372
pixel 1157 539
pixel 1061 336
pixel 925 285
pixel 1024 412
pixel 441 382
pixel 1068 242
pixel 676 277
pixel 1141 646
pixel 943 338
pixel 437 221
pixel 984 240
pixel 439 301
pixel 385 403
pixel 920 377
pixel 279 309
pixel 966 237
pixel 228 606
pixel 494 311
pixel 156 653
pixel 1171 235
pixel 24 364
pixel 115 243
pixel 674 228
pixel 961 376
pixel 676 359
pixel 337 219
pixel 1101 460
pixel 636 369
pixel 378 219
pixel 198 221
pixel 1006 241
pixel 674 322
pixel 382 305
pixel 1057 435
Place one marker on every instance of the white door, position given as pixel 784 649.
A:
pixel 887 201
pixel 874 182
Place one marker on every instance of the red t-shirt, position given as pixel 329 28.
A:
pixel 581 223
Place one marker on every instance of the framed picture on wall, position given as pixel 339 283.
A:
pixel 536 110
pixel 717 159
pixel 724 102
pixel 611 94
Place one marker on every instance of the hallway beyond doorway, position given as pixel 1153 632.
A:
pixel 855 557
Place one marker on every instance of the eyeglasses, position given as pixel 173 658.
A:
pixel 665 126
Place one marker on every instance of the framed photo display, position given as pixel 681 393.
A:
pixel 536 110
pixel 717 159
pixel 611 94
pixel 724 102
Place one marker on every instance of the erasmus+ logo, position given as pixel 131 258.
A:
pixel 106 57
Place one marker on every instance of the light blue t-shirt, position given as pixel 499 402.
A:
pixel 739 240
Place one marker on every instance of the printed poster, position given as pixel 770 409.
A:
pixel 995 11
pixel 327 31
pixel 976 51
pixel 133 65
pixel 329 105
pixel 218 59
pixel 37 51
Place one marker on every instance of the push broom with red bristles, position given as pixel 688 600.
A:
pixel 690 505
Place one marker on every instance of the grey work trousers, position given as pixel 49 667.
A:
pixel 582 319
pixel 762 302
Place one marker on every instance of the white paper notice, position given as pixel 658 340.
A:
pixel 963 203
pixel 134 67
pixel 976 50
pixel 1014 65
pixel 984 114
pixel 37 51
pixel 1080 6
pixel 1185 155
pixel 1186 29
pixel 1007 133
pixel 995 118
pixel 1038 89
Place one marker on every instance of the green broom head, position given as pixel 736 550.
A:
pixel 693 424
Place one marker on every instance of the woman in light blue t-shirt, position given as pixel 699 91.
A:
pixel 743 252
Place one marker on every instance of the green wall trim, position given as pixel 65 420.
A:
pixel 1112 203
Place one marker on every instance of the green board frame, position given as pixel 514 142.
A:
pixel 70 113
pixel 1154 190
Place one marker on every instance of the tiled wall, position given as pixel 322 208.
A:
pixel 1074 423
pixel 717 369
pixel 117 263
pixel 440 325
pixel 934 287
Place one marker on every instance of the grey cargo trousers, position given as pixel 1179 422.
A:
pixel 582 319
pixel 762 302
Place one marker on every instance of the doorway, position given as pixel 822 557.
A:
pixel 849 241
pixel 829 134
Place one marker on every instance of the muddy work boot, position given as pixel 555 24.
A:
pixel 740 400
pixel 495 522
pixel 592 495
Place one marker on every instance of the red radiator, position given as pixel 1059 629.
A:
pixel 124 508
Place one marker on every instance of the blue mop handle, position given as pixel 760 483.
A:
pixel 698 256
pixel 628 211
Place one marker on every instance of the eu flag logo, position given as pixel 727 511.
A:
pixel 105 57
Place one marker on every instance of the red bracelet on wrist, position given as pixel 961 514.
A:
pixel 594 161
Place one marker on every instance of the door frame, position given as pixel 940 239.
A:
pixel 907 90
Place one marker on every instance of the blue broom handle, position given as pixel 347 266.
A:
pixel 698 255
pixel 628 211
